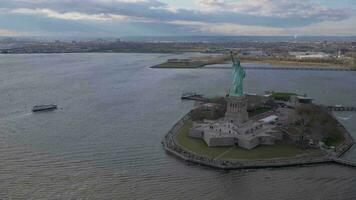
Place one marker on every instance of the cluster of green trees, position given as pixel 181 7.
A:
pixel 320 124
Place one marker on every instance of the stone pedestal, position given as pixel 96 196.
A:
pixel 236 111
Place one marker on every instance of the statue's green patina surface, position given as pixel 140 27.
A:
pixel 239 75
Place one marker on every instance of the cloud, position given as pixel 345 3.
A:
pixel 343 28
pixel 207 16
pixel 278 8
pixel 70 15
pixel 87 6
pixel 252 12
pixel 5 32
pixel 236 29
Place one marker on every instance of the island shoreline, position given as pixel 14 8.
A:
pixel 170 145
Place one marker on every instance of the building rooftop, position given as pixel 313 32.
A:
pixel 269 119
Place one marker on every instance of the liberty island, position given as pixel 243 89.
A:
pixel 244 130
pixel 236 128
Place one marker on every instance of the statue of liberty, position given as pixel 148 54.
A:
pixel 239 75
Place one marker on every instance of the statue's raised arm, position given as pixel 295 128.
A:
pixel 232 58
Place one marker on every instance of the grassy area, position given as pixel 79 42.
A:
pixel 194 62
pixel 261 152
pixel 334 141
pixel 297 62
pixel 258 111
pixel 196 145
pixel 318 121
pixel 283 96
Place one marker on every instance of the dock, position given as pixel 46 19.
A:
pixel 193 96
pixel 342 108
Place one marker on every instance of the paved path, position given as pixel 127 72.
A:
pixel 225 152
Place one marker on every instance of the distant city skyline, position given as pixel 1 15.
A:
pixel 122 18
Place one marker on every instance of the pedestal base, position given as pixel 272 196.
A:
pixel 236 111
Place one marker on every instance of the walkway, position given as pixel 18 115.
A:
pixel 225 152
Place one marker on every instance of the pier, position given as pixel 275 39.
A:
pixel 193 96
pixel 342 108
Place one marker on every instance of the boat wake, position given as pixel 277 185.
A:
pixel 14 117
pixel 345 118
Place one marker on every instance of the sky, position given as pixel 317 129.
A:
pixel 118 18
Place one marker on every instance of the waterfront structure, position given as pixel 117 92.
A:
pixel 296 100
pixel 236 128
pixel 309 55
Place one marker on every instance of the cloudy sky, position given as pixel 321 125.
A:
pixel 115 18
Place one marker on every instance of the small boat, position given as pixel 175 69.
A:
pixel 44 108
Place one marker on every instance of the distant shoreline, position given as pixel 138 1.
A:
pixel 200 62
pixel 203 61
pixel 299 64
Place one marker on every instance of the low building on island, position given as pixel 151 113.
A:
pixel 237 129
pixel 225 133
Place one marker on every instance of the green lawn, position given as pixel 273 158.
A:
pixel 261 152
pixel 335 141
pixel 283 96
pixel 196 145
pixel 258 111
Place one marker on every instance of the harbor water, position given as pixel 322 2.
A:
pixel 103 141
